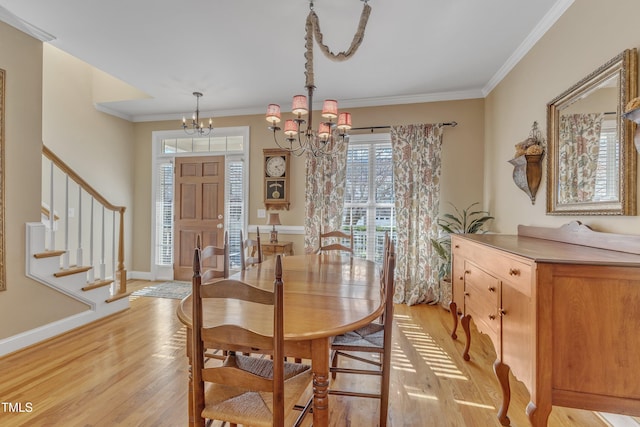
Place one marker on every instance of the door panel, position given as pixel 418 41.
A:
pixel 199 209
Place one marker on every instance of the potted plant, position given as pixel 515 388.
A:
pixel 465 221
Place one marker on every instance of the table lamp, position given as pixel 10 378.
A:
pixel 274 219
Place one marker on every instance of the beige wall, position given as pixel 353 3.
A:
pixel 588 34
pixel 25 304
pixel 462 162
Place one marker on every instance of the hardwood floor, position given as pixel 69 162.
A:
pixel 130 370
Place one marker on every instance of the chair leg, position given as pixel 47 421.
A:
pixel 334 364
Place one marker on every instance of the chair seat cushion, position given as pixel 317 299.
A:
pixel 242 406
pixel 371 335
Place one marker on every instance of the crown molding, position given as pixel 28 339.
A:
pixel 558 9
pixel 346 103
pixel 24 26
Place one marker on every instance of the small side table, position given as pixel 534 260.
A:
pixel 284 248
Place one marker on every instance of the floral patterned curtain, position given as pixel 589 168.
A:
pixel 578 156
pixel 324 195
pixel 416 168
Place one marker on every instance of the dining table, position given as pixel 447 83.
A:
pixel 325 295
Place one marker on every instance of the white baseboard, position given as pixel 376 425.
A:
pixel 50 330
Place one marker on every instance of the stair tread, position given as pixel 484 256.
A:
pixel 73 270
pixel 48 254
pixel 97 284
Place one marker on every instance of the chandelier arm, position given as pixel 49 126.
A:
pixel 357 37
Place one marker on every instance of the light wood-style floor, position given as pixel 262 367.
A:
pixel 131 370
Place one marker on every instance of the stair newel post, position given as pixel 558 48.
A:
pixel 65 257
pixel 91 273
pixel 52 236
pixel 79 255
pixel 122 273
pixel 102 263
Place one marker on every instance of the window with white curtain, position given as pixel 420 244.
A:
pixel 369 198
pixel 233 143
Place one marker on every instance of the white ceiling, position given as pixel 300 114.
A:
pixel 244 54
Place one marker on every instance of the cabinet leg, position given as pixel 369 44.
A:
pixel 502 372
pixel 464 321
pixel 538 416
pixel 453 308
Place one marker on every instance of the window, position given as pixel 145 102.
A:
pixel 233 143
pixel 607 180
pixel 369 201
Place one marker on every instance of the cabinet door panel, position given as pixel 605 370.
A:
pixel 517 335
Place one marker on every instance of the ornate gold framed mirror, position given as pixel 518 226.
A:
pixel 3 284
pixel 591 163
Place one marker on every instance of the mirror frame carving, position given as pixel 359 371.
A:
pixel 625 65
pixel 3 283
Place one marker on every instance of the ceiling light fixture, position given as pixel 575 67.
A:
pixel 196 127
pixel 330 135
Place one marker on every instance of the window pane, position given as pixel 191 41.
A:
pixel 164 214
pixel 369 196
pixel 200 144
pixel 357 185
pixel 384 175
pixel 235 214
pixel 184 145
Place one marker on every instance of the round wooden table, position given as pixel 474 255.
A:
pixel 324 295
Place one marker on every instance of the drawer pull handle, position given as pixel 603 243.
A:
pixel 492 288
pixel 467 272
pixel 457 246
pixel 461 278
pixel 466 294
pixel 514 272
pixel 492 317
pixel 503 312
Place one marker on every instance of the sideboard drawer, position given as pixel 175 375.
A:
pixel 517 271
pixel 481 298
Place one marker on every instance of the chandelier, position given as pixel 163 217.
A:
pixel 196 127
pixel 330 135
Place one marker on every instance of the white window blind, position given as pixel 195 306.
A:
pixel 369 198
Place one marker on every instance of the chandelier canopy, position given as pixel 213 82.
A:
pixel 196 127
pixel 330 134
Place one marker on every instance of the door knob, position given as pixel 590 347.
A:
pixel 220 225
pixel 220 216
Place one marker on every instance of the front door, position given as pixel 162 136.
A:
pixel 199 209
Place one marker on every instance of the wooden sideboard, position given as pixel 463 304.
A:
pixel 562 308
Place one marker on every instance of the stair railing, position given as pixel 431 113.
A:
pixel 69 225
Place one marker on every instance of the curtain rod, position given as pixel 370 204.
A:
pixel 372 128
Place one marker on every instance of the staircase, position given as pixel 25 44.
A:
pixel 102 297
pixel 46 266
pixel 77 249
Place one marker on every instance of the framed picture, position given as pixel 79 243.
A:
pixel 3 283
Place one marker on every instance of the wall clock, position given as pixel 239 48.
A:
pixel 276 179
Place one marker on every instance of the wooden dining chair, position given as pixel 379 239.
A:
pixel 246 390
pixel 217 258
pixel 334 241
pixel 250 250
pixel 372 338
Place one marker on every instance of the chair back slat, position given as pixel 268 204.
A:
pixel 331 236
pixel 211 255
pixel 250 250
